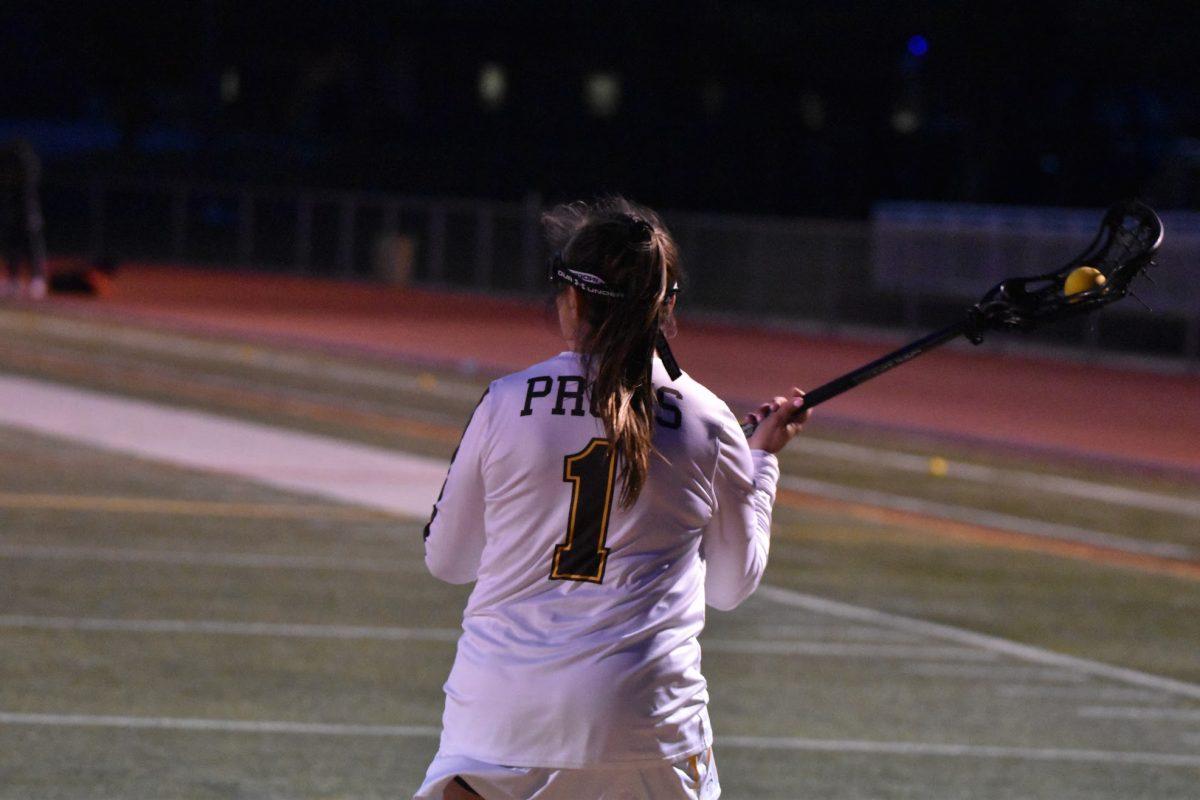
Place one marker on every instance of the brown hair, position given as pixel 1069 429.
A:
pixel 631 250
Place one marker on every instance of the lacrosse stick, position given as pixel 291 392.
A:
pixel 1124 248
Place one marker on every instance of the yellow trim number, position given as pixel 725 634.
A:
pixel 582 557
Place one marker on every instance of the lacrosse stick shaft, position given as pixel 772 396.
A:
pixel 880 365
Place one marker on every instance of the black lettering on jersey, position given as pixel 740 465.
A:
pixel 530 392
pixel 669 415
pixel 564 394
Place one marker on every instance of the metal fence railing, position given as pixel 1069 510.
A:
pixel 897 271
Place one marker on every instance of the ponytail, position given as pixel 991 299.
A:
pixel 629 249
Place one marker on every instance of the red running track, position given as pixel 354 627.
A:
pixel 1060 408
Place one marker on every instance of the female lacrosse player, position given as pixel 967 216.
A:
pixel 598 500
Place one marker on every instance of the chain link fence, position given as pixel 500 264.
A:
pixel 910 268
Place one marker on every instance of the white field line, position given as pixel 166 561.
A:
pixel 408 485
pixel 1080 693
pixel 118 555
pixel 998 672
pixel 960 751
pixel 373 477
pixel 737 742
pixel 219 725
pixel 222 627
pixel 380 633
pixel 991 519
pixel 995 476
pixel 1137 712
pixel 995 644
pixel 840 650
pixel 379 477
pixel 835 631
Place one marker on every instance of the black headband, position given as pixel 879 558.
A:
pixel 558 272
pixel 583 281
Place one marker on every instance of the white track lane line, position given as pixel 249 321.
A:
pixel 735 742
pixel 1138 712
pixel 991 519
pixel 959 751
pixel 219 725
pixel 407 484
pixel 995 476
pixel 227 628
pixel 1024 652
pixel 118 555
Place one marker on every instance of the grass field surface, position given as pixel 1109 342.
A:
pixel 168 632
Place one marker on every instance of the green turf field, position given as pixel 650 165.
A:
pixel 166 633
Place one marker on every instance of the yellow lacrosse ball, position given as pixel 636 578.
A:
pixel 1082 279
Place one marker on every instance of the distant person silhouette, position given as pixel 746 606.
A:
pixel 21 236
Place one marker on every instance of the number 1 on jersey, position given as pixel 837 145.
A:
pixel 590 471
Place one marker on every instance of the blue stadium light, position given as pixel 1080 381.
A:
pixel 918 45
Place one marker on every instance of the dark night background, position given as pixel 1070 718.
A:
pixel 794 108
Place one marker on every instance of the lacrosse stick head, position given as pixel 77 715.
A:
pixel 1125 246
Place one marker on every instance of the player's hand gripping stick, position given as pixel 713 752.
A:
pixel 777 422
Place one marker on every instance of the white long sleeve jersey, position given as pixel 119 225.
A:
pixel 579 644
